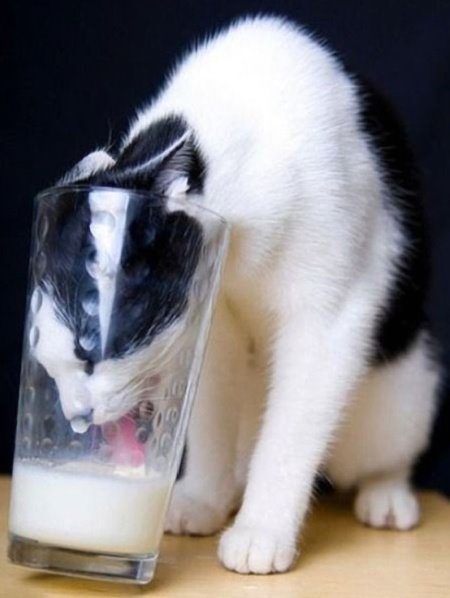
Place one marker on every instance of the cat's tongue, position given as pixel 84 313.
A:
pixel 120 436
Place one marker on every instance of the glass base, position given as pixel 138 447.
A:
pixel 135 568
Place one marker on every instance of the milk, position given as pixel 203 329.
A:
pixel 67 507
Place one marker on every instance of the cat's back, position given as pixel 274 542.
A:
pixel 263 77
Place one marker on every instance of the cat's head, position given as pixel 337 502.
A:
pixel 119 272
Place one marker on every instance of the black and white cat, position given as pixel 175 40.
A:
pixel 319 357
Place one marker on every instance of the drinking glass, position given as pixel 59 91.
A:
pixel 122 287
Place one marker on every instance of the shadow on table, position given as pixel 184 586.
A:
pixel 61 585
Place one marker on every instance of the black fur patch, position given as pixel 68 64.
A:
pixel 159 257
pixel 404 315
pixel 67 247
pixel 160 253
pixel 165 150
pixel 153 141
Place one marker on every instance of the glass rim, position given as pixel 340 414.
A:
pixel 55 189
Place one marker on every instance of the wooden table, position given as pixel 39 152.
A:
pixel 340 559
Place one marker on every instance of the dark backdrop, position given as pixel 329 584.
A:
pixel 73 73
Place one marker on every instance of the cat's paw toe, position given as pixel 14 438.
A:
pixel 188 515
pixel 387 507
pixel 250 549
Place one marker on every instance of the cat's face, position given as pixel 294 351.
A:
pixel 119 269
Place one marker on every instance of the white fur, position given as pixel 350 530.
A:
pixel 93 162
pixel 54 350
pixel 286 388
pixel 313 251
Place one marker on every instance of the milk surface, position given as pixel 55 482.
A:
pixel 68 507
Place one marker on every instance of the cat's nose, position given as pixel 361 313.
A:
pixel 81 423
pixel 75 397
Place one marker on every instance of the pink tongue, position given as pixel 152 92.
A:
pixel 120 437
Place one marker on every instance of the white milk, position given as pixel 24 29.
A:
pixel 87 511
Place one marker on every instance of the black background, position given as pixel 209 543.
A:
pixel 72 73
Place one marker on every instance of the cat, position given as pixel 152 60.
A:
pixel 319 357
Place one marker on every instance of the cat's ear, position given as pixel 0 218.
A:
pixel 91 164
pixel 162 158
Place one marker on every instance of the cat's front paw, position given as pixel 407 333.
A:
pixel 251 549
pixel 189 515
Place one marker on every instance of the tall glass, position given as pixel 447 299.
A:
pixel 121 294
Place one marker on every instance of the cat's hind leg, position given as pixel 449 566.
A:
pixel 386 428
pixel 388 501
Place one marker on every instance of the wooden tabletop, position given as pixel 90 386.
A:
pixel 340 558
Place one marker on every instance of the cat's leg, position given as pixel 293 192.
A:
pixel 250 417
pixel 387 426
pixel 206 492
pixel 316 360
